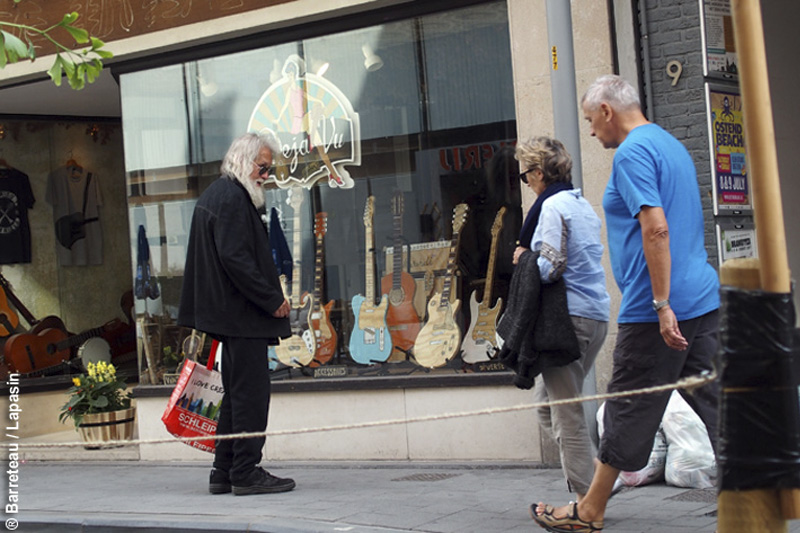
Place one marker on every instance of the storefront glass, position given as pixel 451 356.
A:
pixel 395 136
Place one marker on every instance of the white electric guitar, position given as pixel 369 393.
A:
pixel 480 343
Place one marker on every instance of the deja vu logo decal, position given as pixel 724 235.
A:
pixel 315 125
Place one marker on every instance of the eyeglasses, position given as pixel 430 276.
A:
pixel 263 169
pixel 523 177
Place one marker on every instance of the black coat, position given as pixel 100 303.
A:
pixel 536 328
pixel 230 284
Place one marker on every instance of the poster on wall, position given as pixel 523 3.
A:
pixel 736 239
pixel 732 195
pixel 719 57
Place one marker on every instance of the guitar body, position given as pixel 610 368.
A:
pixel 401 316
pixel 272 358
pixel 9 320
pixel 121 337
pixel 299 349
pixel 49 322
pixel 480 342
pixel 25 352
pixel 370 341
pixel 439 338
pixel 325 335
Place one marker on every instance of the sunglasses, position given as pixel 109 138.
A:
pixel 264 169
pixel 523 177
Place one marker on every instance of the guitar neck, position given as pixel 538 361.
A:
pixel 451 267
pixel 80 338
pixel 397 256
pixel 370 266
pixel 297 246
pixel 487 291
pixel 17 303
pixel 318 264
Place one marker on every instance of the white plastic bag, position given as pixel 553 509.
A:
pixel 653 471
pixel 690 457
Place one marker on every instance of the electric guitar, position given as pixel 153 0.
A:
pixel 299 349
pixel 439 338
pixel 370 341
pixel 480 342
pixel 321 314
pixel 401 316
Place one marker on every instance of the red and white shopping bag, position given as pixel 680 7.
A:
pixel 193 408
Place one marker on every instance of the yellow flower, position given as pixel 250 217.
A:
pixel 76 382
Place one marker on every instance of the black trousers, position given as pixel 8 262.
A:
pixel 641 359
pixel 245 405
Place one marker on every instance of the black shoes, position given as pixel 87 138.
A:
pixel 262 482
pixel 219 482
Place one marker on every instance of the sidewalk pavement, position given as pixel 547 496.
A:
pixel 128 496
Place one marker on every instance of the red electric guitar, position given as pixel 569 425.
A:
pixel 321 314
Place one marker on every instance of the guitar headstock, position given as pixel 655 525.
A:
pixel 369 211
pixel 320 224
pixel 498 222
pixel 459 217
pixel 397 204
pixel 295 198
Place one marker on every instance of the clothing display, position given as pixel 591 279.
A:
pixel 72 193
pixel 16 198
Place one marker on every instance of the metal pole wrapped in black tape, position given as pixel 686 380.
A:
pixel 759 444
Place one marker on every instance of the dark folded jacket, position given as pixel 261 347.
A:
pixel 536 328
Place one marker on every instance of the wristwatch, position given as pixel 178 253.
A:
pixel 660 304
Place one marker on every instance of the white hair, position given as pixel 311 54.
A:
pixel 243 153
pixel 613 90
pixel 241 156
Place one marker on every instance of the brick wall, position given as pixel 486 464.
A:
pixel 673 28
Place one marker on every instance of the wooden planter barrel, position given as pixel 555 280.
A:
pixel 97 428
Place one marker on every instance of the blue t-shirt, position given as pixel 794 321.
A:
pixel 652 168
pixel 568 239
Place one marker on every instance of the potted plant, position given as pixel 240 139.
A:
pixel 98 405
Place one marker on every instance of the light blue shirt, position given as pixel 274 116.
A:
pixel 567 237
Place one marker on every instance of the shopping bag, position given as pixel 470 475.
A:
pixel 193 407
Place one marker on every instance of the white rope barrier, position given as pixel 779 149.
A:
pixel 688 383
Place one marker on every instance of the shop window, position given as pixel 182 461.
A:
pixel 409 128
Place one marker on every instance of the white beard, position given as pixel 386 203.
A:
pixel 255 191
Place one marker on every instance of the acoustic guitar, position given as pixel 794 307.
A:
pixel 370 341
pixel 401 316
pixel 9 320
pixel 28 353
pixel 438 340
pixel 321 314
pixel 50 321
pixel 299 349
pixel 480 342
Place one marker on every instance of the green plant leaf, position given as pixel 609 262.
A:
pixel 102 401
pixel 79 34
pixel 14 46
pixel 55 71
pixel 69 66
pixel 68 19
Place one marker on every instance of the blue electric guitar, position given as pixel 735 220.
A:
pixel 370 341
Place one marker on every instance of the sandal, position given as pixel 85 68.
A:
pixel 571 523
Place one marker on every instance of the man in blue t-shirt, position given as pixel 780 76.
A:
pixel 668 318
